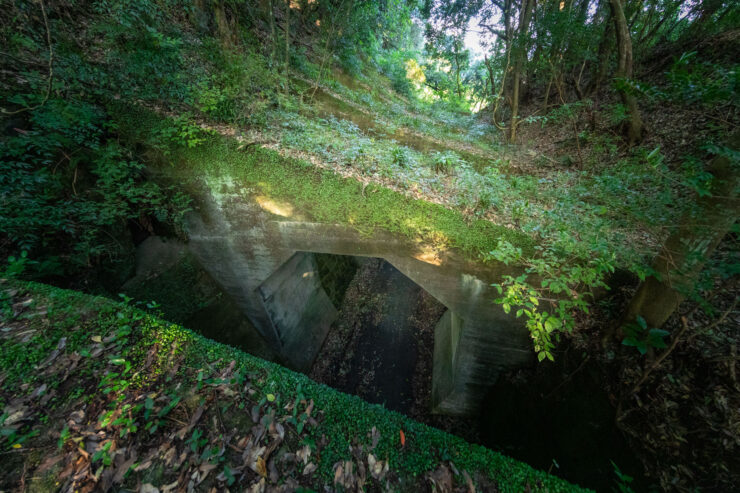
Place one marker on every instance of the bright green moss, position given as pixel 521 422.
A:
pixel 326 197
pixel 319 194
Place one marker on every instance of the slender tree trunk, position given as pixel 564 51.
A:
pixel 680 261
pixel 547 94
pixel 521 55
pixel 602 63
pixel 273 37
pixel 494 96
pixel 287 46
pixel 646 22
pixel 635 127
pixel 668 13
pixel 457 73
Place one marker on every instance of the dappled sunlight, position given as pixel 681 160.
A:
pixel 272 206
pixel 429 256
pixel 472 285
pixel 428 238
pixel 431 248
pixel 412 224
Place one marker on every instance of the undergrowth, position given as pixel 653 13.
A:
pixel 114 395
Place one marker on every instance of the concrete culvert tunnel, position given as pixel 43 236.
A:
pixel 372 328
pixel 290 278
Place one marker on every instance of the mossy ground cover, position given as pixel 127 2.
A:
pixel 321 195
pixel 324 196
pixel 98 394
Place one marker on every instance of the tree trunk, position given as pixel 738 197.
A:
pixel 457 72
pixel 602 63
pixel 635 127
pixel 494 96
pixel 273 38
pixel 287 46
pixel 521 55
pixel 680 261
pixel 668 13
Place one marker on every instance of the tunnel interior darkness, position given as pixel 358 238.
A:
pixel 372 327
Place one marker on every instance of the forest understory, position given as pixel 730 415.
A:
pixel 591 144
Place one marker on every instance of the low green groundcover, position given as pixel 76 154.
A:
pixel 99 395
pixel 321 195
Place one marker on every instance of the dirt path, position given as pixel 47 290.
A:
pixel 383 363
pixel 372 349
pixel 382 345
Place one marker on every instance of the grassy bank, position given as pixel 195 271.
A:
pixel 97 393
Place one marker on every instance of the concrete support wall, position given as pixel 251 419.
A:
pixel 252 248
pixel 299 309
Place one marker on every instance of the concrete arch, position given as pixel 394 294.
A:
pixel 259 256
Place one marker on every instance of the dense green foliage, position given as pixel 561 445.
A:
pixel 68 186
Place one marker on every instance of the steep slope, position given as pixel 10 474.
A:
pixel 98 394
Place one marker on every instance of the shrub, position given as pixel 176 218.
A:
pixel 445 162
pixel 402 156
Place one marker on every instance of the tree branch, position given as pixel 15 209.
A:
pixel 51 68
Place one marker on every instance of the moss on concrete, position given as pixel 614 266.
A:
pixel 326 197
pixel 160 358
pixel 320 194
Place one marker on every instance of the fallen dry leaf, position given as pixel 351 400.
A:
pixel 169 487
pixel 469 482
pixel 123 469
pixel 143 466
pixel 441 479
pixel 378 468
pixel 53 355
pixel 261 467
pixel 309 469
pixel 303 454
pixel 338 473
pixel 375 435
pixel 258 487
pixel 48 463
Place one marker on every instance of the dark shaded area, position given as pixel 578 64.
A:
pixel 223 321
pixel 381 346
pixel 558 417
pixel 336 273
pixel 168 275
pixel 372 349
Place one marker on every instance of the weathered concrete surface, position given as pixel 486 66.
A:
pixel 153 256
pixel 296 302
pixel 243 240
